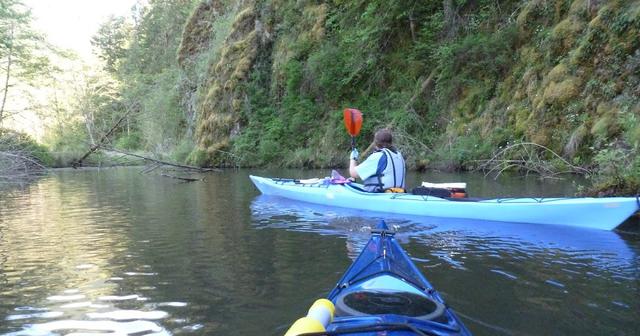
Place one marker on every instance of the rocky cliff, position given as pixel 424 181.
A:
pixel 456 80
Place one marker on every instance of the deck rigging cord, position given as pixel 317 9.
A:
pixel 376 327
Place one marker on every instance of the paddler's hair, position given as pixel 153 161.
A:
pixel 383 138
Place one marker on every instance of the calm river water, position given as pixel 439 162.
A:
pixel 118 252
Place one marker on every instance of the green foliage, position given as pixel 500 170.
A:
pixel 618 172
pixel 245 145
pixel 263 83
pixel 374 56
pixel 111 41
pixel 67 137
pixel 83 119
pixel 156 37
pixel 21 143
pixel 182 150
pixel 632 131
pixel 476 59
pixel 160 118
pixel 198 157
pixel 128 141
pixel 21 46
pixel 68 141
pixel 457 155
pixel 611 163
pixel 143 57
pixel 24 55
pixel 206 53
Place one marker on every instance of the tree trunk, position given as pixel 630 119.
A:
pixel 94 147
pixel 89 123
pixel 412 26
pixel 450 19
pixel 7 76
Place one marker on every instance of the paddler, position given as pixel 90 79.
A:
pixel 384 169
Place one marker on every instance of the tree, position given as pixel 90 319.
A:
pixel 83 105
pixel 111 42
pixel 97 101
pixel 23 51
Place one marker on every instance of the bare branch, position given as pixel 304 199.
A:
pixel 158 161
pixel 528 157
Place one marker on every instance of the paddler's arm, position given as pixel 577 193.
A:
pixel 353 162
pixel 352 168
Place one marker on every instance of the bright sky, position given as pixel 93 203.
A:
pixel 71 23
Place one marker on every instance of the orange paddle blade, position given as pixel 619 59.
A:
pixel 353 121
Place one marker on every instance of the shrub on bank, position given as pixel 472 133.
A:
pixel 21 144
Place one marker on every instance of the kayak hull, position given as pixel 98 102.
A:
pixel 597 213
pixel 382 268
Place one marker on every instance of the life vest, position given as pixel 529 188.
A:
pixel 389 174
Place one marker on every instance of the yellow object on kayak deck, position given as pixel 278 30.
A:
pixel 318 318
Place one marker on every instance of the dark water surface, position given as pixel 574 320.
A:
pixel 115 252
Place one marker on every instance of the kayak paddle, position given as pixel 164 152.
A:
pixel 353 123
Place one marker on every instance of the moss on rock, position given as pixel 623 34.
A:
pixel 220 110
pixel 198 30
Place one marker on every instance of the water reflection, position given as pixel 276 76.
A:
pixel 606 248
pixel 116 252
pixel 517 272
pixel 71 258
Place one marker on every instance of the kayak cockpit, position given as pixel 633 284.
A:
pixel 387 294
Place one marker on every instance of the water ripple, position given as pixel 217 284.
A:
pixel 114 252
pixel 121 297
pixel 45 315
pixel 120 315
pixel 110 327
pixel 509 276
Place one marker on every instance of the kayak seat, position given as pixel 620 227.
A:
pixel 356 187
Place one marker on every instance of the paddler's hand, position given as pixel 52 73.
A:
pixel 354 155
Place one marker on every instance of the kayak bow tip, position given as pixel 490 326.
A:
pixel 382 226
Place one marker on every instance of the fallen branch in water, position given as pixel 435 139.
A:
pixel 151 168
pixel 527 156
pixel 186 179
pixel 95 147
pixel 111 149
